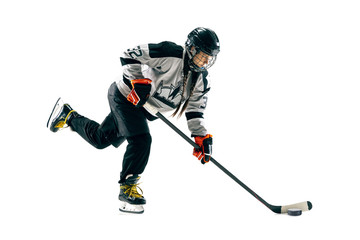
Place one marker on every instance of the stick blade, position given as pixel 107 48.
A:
pixel 304 206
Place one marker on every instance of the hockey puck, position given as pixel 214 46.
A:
pixel 294 212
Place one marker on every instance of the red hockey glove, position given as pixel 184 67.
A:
pixel 140 92
pixel 203 153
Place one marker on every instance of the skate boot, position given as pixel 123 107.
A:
pixel 60 116
pixel 131 201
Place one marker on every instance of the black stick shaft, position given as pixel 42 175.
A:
pixel 276 209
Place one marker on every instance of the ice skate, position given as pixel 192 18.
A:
pixel 131 201
pixel 60 116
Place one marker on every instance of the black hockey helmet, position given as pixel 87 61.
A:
pixel 202 40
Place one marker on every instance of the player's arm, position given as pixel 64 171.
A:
pixel 133 61
pixel 195 119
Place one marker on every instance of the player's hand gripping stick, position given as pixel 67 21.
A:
pixel 204 151
pixel 140 91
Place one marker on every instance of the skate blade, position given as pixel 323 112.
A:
pixel 55 113
pixel 130 208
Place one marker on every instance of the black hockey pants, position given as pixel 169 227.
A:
pixel 124 122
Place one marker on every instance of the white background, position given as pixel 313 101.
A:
pixel 283 109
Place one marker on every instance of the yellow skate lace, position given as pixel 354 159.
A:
pixel 131 190
pixel 61 124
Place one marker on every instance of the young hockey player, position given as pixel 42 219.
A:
pixel 167 77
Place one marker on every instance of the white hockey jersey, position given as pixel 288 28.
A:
pixel 163 63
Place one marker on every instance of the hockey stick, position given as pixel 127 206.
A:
pixel 304 206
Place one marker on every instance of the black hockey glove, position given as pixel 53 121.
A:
pixel 203 153
pixel 140 92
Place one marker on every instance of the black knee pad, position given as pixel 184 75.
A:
pixel 101 145
pixel 143 140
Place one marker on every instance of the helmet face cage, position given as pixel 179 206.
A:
pixel 202 47
pixel 200 61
